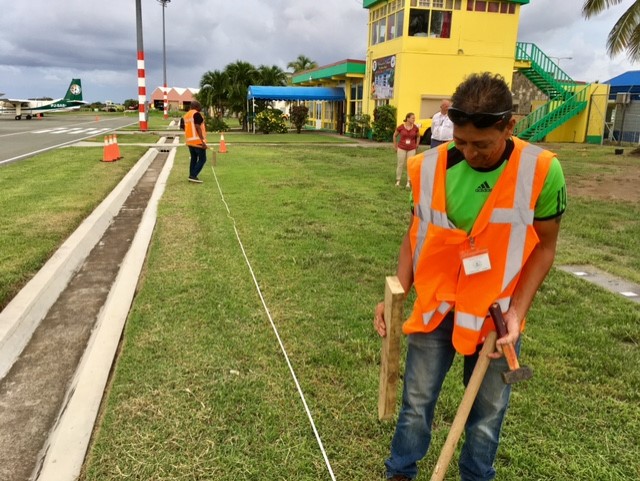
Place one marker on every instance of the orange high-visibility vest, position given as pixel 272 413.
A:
pixel 190 133
pixel 504 228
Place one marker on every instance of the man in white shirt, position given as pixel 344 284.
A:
pixel 441 125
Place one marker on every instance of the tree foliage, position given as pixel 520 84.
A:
pixel 224 92
pixel 625 34
pixel 298 115
pixel 384 122
pixel 214 90
pixel 302 63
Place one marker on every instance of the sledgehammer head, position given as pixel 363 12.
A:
pixel 516 375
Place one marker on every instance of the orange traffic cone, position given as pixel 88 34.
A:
pixel 223 145
pixel 116 148
pixel 107 151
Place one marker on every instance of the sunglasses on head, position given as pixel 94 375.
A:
pixel 480 120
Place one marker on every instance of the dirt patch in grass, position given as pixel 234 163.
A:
pixel 619 186
pixel 595 172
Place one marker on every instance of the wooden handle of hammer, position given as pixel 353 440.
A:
pixel 390 354
pixel 470 393
pixel 509 351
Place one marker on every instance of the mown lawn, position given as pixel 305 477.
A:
pixel 202 390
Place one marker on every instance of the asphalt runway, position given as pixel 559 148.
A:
pixel 20 139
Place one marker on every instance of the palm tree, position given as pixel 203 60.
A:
pixel 302 63
pixel 625 34
pixel 214 87
pixel 241 75
pixel 273 75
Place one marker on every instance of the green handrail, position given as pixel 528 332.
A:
pixel 544 72
pixel 547 117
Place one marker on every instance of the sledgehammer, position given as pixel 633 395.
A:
pixel 516 373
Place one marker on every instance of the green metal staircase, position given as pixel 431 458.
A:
pixel 566 97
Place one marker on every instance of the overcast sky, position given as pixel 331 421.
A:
pixel 44 43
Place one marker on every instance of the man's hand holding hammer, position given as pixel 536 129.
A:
pixel 513 325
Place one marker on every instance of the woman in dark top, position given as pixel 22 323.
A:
pixel 406 139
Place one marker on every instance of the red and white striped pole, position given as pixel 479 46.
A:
pixel 166 103
pixel 142 88
pixel 142 93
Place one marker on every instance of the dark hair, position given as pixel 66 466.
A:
pixel 406 117
pixel 484 92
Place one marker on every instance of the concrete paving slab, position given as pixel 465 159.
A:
pixel 614 284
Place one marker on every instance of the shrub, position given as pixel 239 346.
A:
pixel 299 115
pixel 215 124
pixel 359 125
pixel 271 120
pixel 384 123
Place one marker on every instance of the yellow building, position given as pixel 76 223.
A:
pixel 418 51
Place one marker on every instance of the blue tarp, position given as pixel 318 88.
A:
pixel 295 93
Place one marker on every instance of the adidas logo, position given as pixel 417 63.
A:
pixel 484 187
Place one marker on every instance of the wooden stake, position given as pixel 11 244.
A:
pixel 470 393
pixel 390 354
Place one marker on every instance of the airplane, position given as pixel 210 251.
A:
pixel 30 107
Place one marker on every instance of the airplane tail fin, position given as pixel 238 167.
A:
pixel 74 92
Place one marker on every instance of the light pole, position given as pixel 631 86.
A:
pixel 561 58
pixel 164 60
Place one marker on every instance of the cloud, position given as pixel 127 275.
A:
pixel 43 43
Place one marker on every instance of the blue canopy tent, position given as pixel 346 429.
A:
pixel 260 92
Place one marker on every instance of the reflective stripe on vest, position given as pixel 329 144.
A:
pixel 504 227
pixel 423 209
pixel 470 321
pixel 521 215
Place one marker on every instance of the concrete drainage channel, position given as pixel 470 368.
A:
pixel 60 334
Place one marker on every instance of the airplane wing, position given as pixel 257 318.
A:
pixel 22 102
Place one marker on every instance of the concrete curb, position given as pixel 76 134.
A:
pixel 22 315
pixel 68 442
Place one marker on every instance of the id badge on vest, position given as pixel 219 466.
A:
pixel 475 260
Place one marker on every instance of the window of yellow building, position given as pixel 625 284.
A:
pixel 355 101
pixel 387 22
pixel 432 18
pixel 491 6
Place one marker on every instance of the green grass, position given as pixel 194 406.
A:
pixel 201 390
pixel 603 231
pixel 303 137
pixel 43 199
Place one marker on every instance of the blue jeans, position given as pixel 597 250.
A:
pixel 429 358
pixel 198 159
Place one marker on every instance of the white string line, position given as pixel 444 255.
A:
pixel 275 330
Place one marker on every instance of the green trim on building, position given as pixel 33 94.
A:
pixel 339 69
pixel 373 3
pixel 594 139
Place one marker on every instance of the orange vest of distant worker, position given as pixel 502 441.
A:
pixel 190 133
pixel 504 229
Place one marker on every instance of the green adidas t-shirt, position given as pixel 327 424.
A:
pixel 469 188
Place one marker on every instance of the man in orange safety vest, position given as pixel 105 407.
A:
pixel 195 134
pixel 486 215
